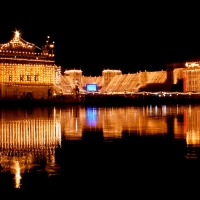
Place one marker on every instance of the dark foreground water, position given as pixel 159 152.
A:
pixel 100 152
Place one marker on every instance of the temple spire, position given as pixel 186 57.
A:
pixel 17 36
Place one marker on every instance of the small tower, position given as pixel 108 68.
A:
pixel 48 48
pixel 108 75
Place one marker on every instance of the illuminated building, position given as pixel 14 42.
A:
pixel 109 74
pixel 191 77
pixel 25 72
pixel 174 74
pixel 141 81
pixel 178 77
pixel 74 76
pixel 113 81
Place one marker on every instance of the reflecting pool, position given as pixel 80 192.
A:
pixel 75 147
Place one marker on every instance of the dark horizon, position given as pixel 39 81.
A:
pixel 129 38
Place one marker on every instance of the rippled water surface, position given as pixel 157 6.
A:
pixel 77 148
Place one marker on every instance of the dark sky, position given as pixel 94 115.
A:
pixel 96 36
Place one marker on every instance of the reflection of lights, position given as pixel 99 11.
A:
pixel 156 110
pixel 76 124
pixel 193 137
pixel 143 111
pixel 193 64
pixel 91 116
pixel 164 110
pixel 150 110
pixel 17 175
pixel 190 110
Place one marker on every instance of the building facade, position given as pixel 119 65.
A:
pixel 191 77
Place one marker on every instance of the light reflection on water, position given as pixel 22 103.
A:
pixel 30 139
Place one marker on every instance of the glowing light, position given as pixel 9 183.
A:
pixel 17 175
pixel 193 64
pixel 17 35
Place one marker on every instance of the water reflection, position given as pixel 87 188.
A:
pixel 178 122
pixel 27 139
pixel 147 120
pixel 30 138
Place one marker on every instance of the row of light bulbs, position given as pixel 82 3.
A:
pixel 28 60
pixel 27 52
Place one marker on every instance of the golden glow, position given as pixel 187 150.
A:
pixel 191 80
pixel 192 64
pixel 192 117
pixel 17 175
pixel 113 121
pixel 17 34
pixel 26 137
pixel 193 137
pixel 45 73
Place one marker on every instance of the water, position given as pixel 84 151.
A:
pixel 78 149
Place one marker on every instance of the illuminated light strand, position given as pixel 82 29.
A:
pixel 29 60
pixel 19 53
pixel 19 42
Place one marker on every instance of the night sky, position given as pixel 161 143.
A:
pixel 96 36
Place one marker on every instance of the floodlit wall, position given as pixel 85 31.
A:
pixel 27 73
pixel 75 76
pixel 134 82
pixel 178 75
pixel 127 83
pixel 156 81
pixel 28 81
pixel 108 75
pixel 65 86
pixel 191 80
pixel 26 91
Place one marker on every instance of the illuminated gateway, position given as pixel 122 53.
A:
pixel 25 73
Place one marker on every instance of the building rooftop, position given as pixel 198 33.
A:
pixel 17 50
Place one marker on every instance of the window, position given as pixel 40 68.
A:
pixel 21 77
pixel 36 78
pixel 28 78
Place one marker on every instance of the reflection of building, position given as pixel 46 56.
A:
pixel 192 129
pixel 28 137
pixel 193 126
pixel 113 121
pixel 25 73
